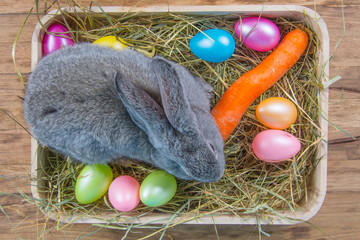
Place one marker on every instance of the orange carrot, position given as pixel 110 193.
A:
pixel 239 96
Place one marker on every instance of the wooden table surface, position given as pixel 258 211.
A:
pixel 339 216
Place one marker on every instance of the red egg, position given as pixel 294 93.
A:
pixel 57 38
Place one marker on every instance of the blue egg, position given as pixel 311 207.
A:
pixel 213 45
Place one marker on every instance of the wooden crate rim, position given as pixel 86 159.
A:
pixel 320 175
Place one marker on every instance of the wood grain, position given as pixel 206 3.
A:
pixel 340 213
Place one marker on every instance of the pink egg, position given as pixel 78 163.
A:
pixel 124 193
pixel 260 34
pixel 55 41
pixel 275 145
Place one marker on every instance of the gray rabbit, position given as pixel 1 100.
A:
pixel 96 104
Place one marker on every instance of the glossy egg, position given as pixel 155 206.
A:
pixel 92 183
pixel 276 113
pixel 58 38
pixel 275 145
pixel 213 45
pixel 124 193
pixel 112 42
pixel 259 34
pixel 158 188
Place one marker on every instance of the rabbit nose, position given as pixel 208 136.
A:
pixel 216 168
pixel 216 174
pixel 211 171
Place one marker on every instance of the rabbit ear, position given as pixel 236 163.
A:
pixel 142 108
pixel 174 101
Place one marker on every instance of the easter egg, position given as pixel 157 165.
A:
pixel 124 193
pixel 276 113
pixel 259 34
pixel 112 42
pixel 92 183
pixel 56 38
pixel 213 45
pixel 158 188
pixel 275 145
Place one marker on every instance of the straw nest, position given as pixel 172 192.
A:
pixel 249 186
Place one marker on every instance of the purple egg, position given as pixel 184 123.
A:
pixel 259 34
pixel 55 41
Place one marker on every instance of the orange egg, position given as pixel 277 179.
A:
pixel 276 113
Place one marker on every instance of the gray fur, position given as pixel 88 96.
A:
pixel 96 104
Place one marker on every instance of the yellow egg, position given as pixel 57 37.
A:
pixel 276 113
pixel 112 42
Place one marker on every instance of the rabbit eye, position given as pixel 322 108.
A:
pixel 49 110
pixel 212 147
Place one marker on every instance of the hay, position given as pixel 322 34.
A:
pixel 249 186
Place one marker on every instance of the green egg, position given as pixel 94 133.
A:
pixel 92 183
pixel 158 188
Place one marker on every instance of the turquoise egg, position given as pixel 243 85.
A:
pixel 213 45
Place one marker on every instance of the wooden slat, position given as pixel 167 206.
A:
pixel 335 208
pixel 23 6
pixel 10 25
pixel 344 113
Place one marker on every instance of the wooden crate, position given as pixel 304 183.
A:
pixel 317 189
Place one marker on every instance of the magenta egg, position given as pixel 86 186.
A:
pixel 275 145
pixel 124 193
pixel 259 34
pixel 57 38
